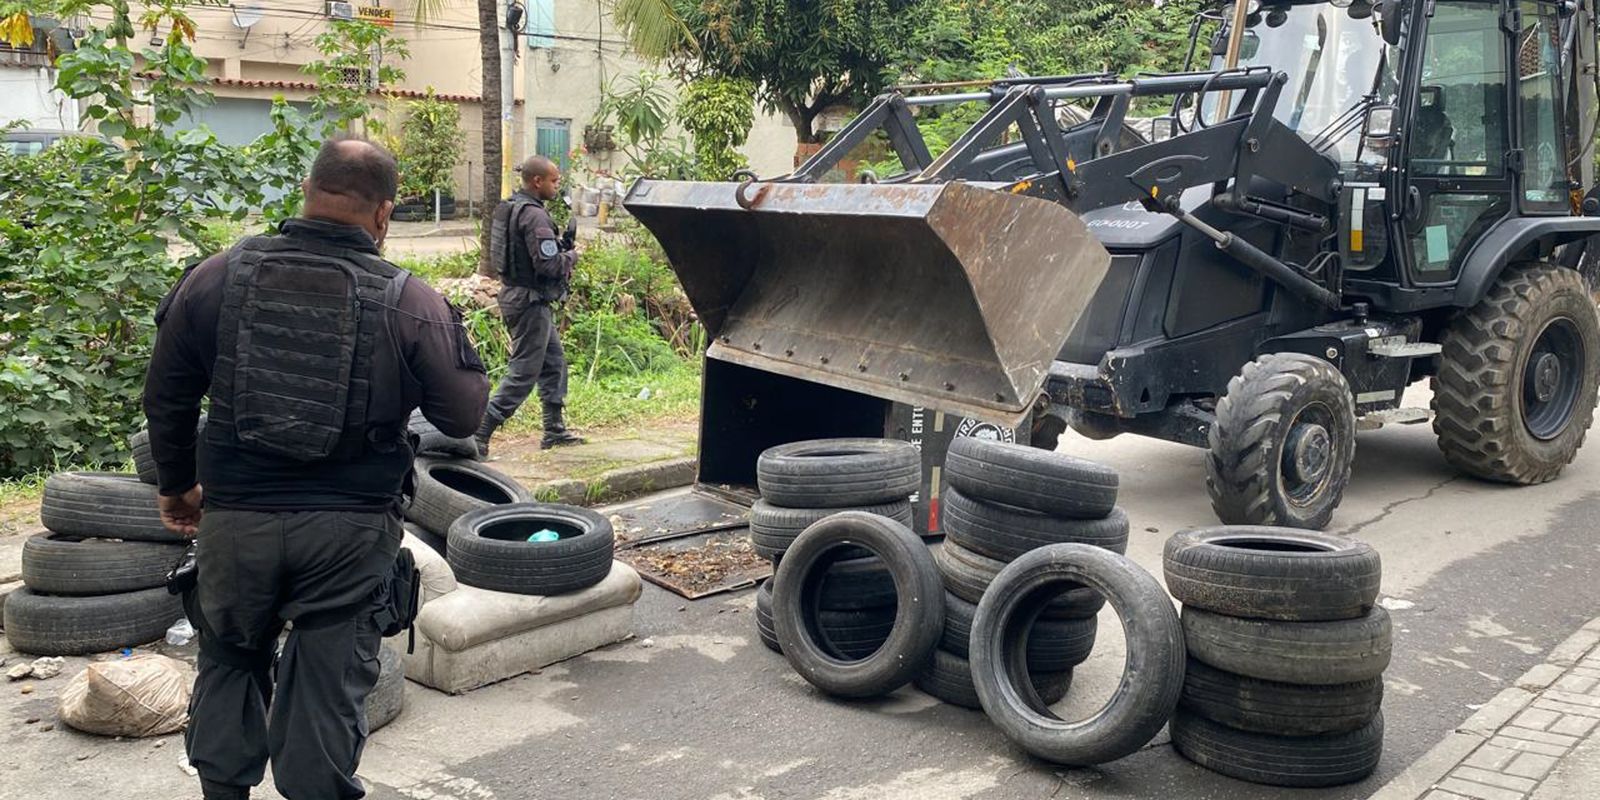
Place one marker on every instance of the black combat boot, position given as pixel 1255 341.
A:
pixel 486 429
pixel 555 431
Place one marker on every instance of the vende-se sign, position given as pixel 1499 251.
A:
pixel 376 15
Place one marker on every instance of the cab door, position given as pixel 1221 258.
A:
pixel 1459 162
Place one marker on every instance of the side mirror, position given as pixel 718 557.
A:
pixel 1163 128
pixel 1380 123
pixel 1389 13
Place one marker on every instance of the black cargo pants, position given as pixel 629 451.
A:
pixel 536 354
pixel 307 711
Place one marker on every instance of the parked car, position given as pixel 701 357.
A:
pixel 33 141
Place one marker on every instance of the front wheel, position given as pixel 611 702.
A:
pixel 1282 443
pixel 1515 393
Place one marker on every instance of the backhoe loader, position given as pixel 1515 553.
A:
pixel 1351 197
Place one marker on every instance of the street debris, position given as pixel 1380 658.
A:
pixel 1395 604
pixel 43 668
pixel 718 564
pixel 144 695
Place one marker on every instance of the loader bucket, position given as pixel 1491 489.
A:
pixel 951 295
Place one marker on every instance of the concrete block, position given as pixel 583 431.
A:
pixel 1558 707
pixel 1488 778
pixel 1498 711
pixel 1531 766
pixel 1536 718
pixel 1580 684
pixel 1525 746
pixel 1538 736
pixel 1490 757
pixel 1478 791
pixel 1573 725
pixel 1540 677
pixel 1575 647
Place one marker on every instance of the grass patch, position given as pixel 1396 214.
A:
pixel 618 400
pixel 433 268
pixel 26 489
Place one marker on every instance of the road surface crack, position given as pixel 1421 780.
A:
pixel 1389 509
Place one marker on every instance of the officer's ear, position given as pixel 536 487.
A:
pixel 381 220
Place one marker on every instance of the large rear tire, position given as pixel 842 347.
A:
pixel 1515 393
pixel 1282 443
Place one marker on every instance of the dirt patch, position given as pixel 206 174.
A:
pixel 699 567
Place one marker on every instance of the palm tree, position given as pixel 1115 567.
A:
pixel 653 27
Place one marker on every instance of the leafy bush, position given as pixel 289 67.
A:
pixel 718 113
pixel 430 141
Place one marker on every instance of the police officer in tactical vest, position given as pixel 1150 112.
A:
pixel 535 267
pixel 313 351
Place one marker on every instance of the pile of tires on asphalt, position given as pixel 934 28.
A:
pixel 1286 654
pixel 95 580
pixel 1003 501
pixel 1273 674
pixel 804 482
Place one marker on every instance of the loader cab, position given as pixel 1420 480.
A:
pixel 1470 137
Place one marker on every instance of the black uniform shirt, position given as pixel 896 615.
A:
pixel 542 243
pixel 436 369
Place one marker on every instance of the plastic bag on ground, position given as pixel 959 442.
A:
pixel 142 695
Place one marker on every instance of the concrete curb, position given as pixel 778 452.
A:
pixel 619 483
pixel 1435 765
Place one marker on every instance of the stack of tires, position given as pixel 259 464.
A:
pixel 450 482
pixel 1286 654
pixel 531 548
pixel 1001 501
pixel 804 482
pixel 96 579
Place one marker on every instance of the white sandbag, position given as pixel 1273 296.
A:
pixel 141 695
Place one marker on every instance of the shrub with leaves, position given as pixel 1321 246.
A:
pixel 430 142
pixel 718 113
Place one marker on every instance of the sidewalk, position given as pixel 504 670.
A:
pixel 612 464
pixel 1537 740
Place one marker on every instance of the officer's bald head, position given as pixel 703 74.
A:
pixel 353 181
pixel 540 177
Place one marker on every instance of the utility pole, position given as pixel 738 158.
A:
pixel 509 42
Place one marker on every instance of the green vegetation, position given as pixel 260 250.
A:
pixel 718 113
pixel 430 143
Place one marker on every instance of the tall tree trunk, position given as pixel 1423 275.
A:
pixel 489 46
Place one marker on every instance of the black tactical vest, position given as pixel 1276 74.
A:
pixel 299 324
pixel 507 261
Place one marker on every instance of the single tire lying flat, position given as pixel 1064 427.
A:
pixel 967 575
pixel 1281 709
pixel 389 694
pixel 949 678
pixel 54 563
pixel 109 505
pixel 1003 533
pixel 489 549
pixel 144 463
pixel 1151 681
pixel 434 443
pixel 48 625
pixel 1297 761
pixel 838 473
pixel 449 488
pixel 919 606
pixel 773 528
pixel 1030 478
pixel 1054 645
pixel 1314 653
pixel 1272 573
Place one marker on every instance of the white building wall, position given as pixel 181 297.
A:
pixel 30 97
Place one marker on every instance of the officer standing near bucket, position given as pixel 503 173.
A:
pixel 313 351
pixel 534 266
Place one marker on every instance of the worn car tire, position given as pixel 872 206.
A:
pixel 838 473
pixel 1279 405
pixel 1480 402
pixel 765 630
pixel 1003 533
pixel 56 563
pixel 773 528
pixel 1311 653
pixel 1151 682
pixel 388 695
pixel 1030 478
pixel 431 442
pixel 1272 573
pixel 108 505
pixel 949 678
pixel 855 634
pixel 144 464
pixel 448 488
pixel 48 625
pixel 967 575
pixel 1283 709
pixel 488 549
pixel 439 544
pixel 1296 761
pixel 919 606
pixel 1054 645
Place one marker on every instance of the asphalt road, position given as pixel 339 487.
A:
pixel 1495 576
pixel 1488 579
